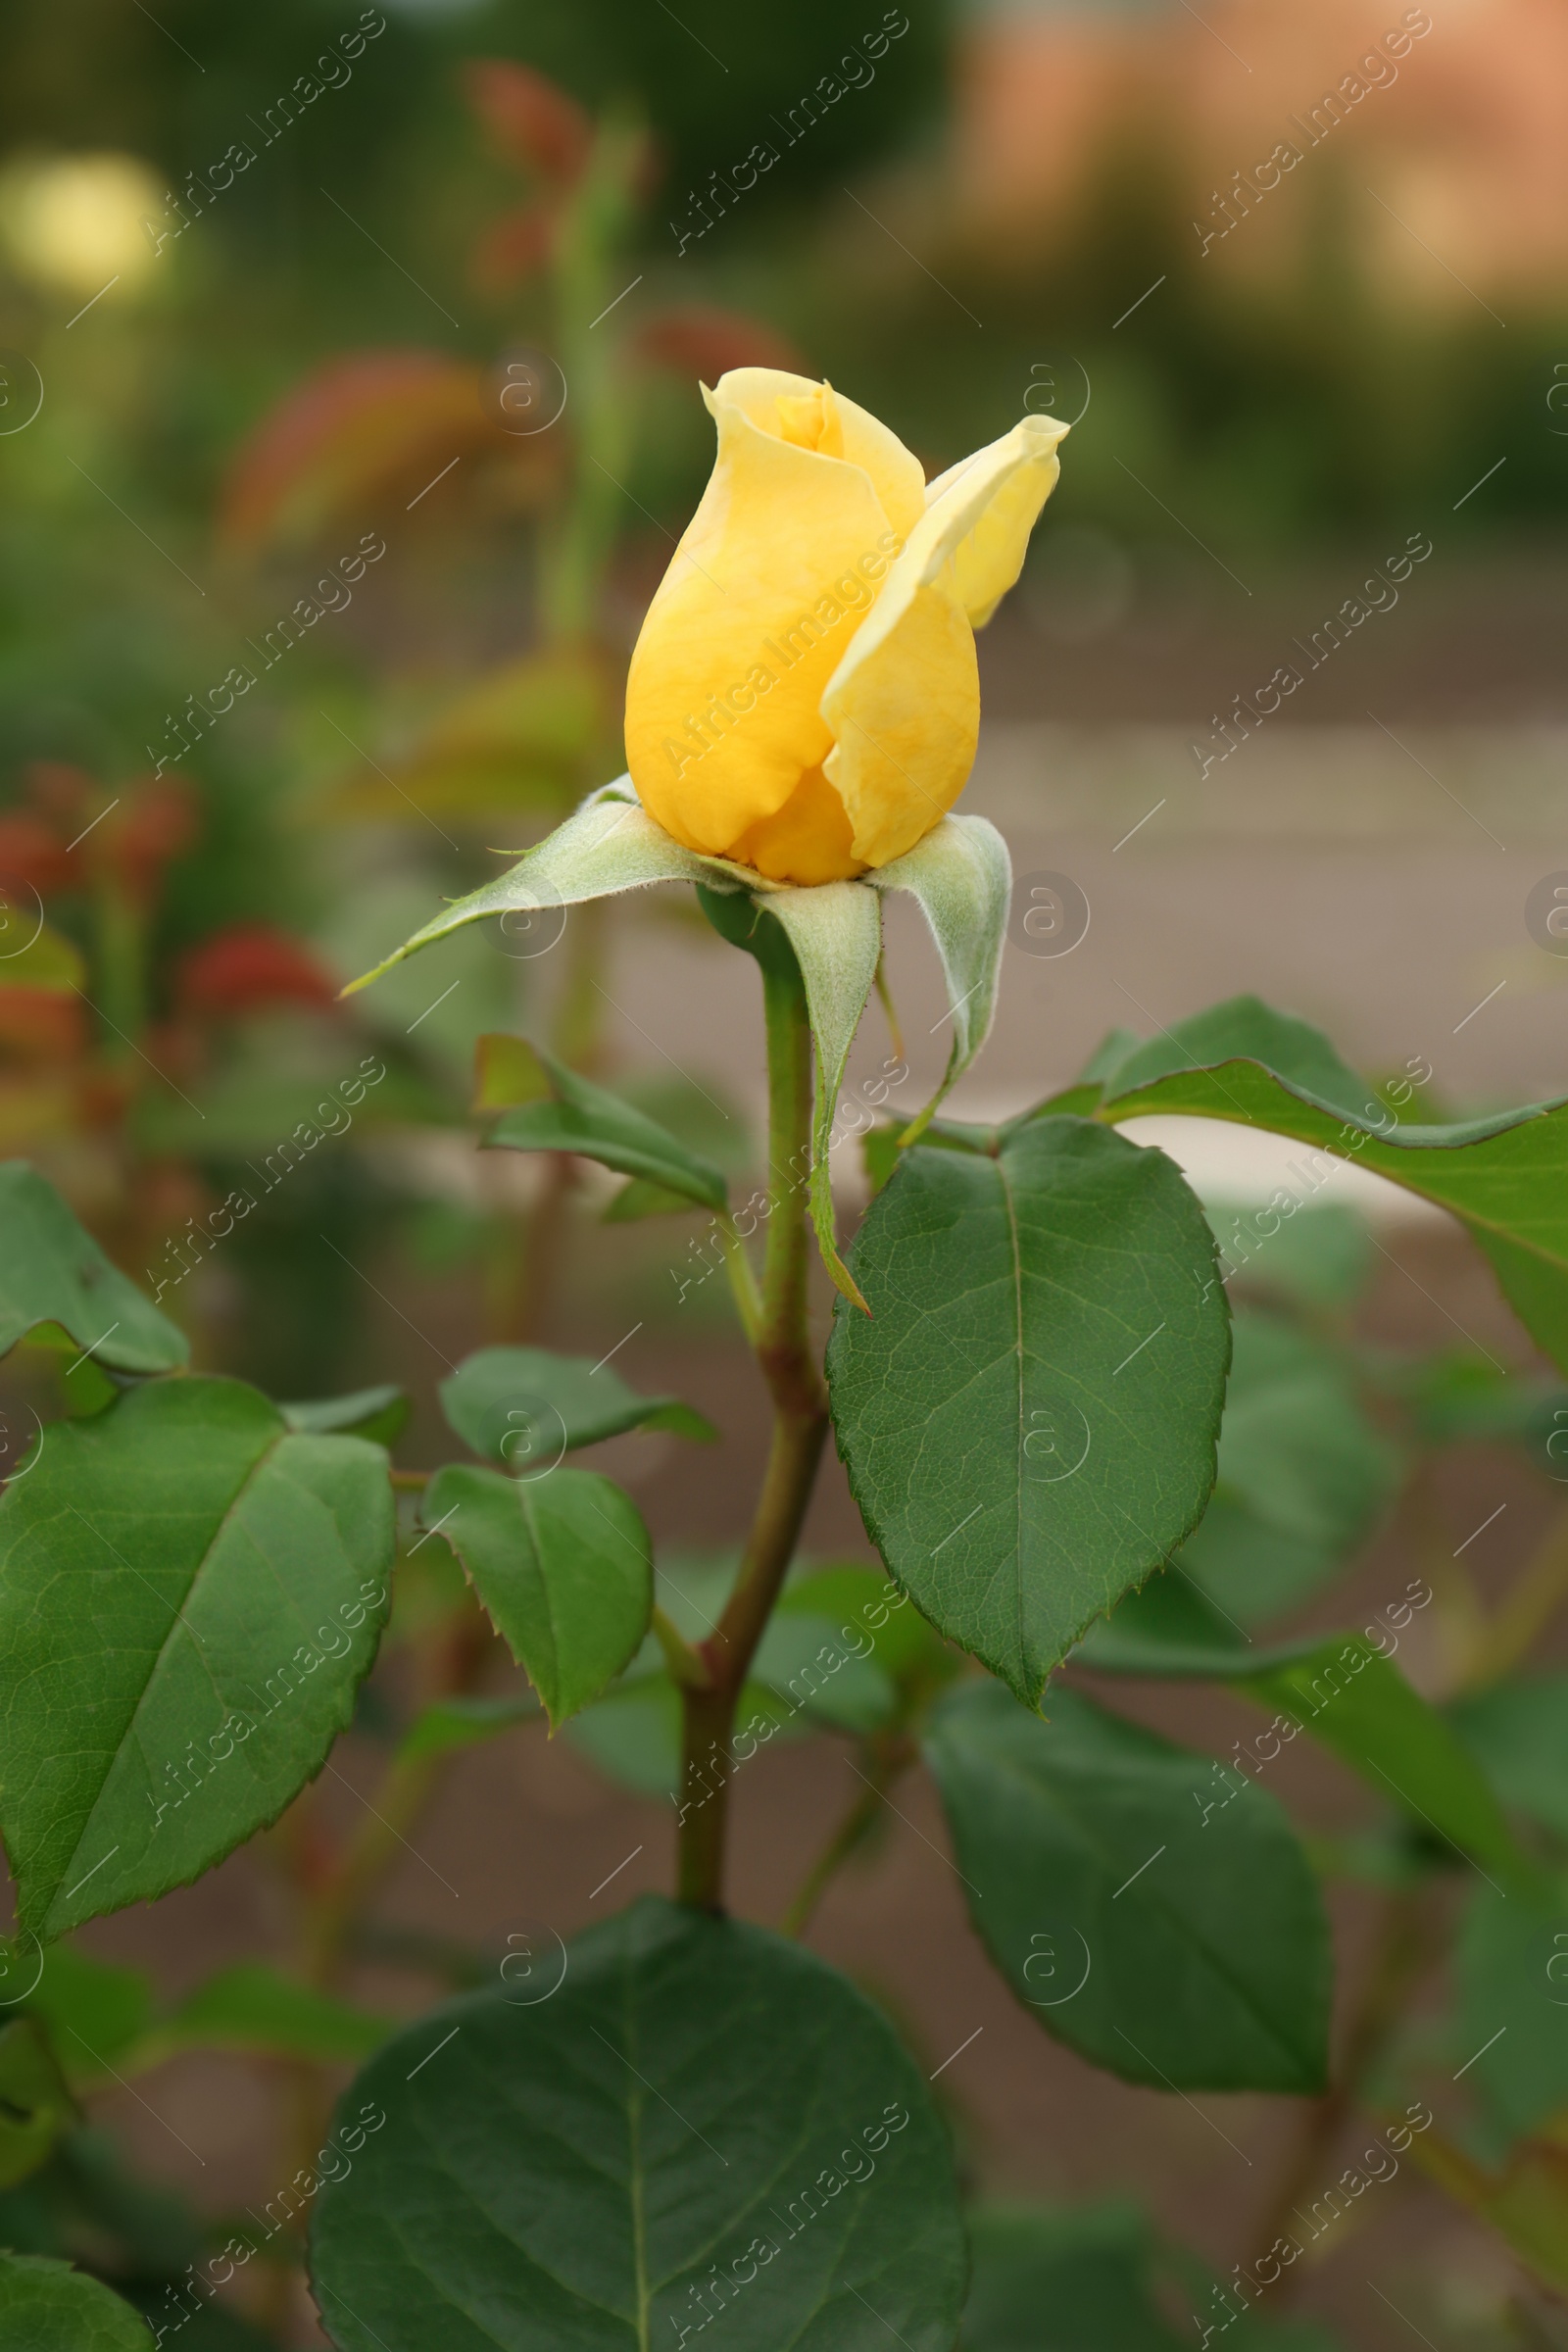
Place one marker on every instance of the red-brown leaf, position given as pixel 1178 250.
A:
pixel 530 122
pixel 703 341
pixel 248 965
pixel 376 421
pixel 34 857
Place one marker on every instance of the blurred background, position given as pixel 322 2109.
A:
pixel 349 412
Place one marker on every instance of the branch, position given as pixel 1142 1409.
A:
pixel 885 1759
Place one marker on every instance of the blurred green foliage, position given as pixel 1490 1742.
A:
pixel 1272 417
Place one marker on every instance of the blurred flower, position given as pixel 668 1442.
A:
pixel 73 223
pixel 804 696
pixel 247 966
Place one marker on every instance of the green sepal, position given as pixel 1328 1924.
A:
pixel 836 932
pixel 961 876
pixel 829 937
pixel 605 846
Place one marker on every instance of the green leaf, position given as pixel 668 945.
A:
pixel 1455 1398
pixel 53 1271
pixel 882 1147
pixel 449 1724
pixel 705 2123
pixel 563 1112
pixel 1091 2275
pixel 633 1735
pixel 836 933
pixel 961 877
pixel 256 2009
pixel 844 1647
pixel 1510 2033
pixel 1059 2282
pixel 1353 1700
pixel 96 2196
pixel 1346 1692
pixel 1107 1058
pixel 813 1670
pixel 706 1120
pixel 524 1407
pixel 94 2012
pixel 563 1565
pixel 190 1593
pixel 867 1607
pixel 1028 1415
pixel 35 2106
pixel 84 1390
pixel 1519 1732
pixel 1505 1176
pixel 1173 1950
pixel 880 1152
pixel 640 1198
pixel 1170 1626
pixel 49 964
pixel 1524 1188
pixel 1303 1475
pixel 1245 1028
pixel 1322 1257
pixel 380 1415
pixel 48 2307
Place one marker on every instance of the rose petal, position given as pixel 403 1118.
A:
pixel 903 705
pixel 1013 477
pixel 775 402
pixel 723 701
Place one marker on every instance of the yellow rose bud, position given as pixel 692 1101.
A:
pixel 803 697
